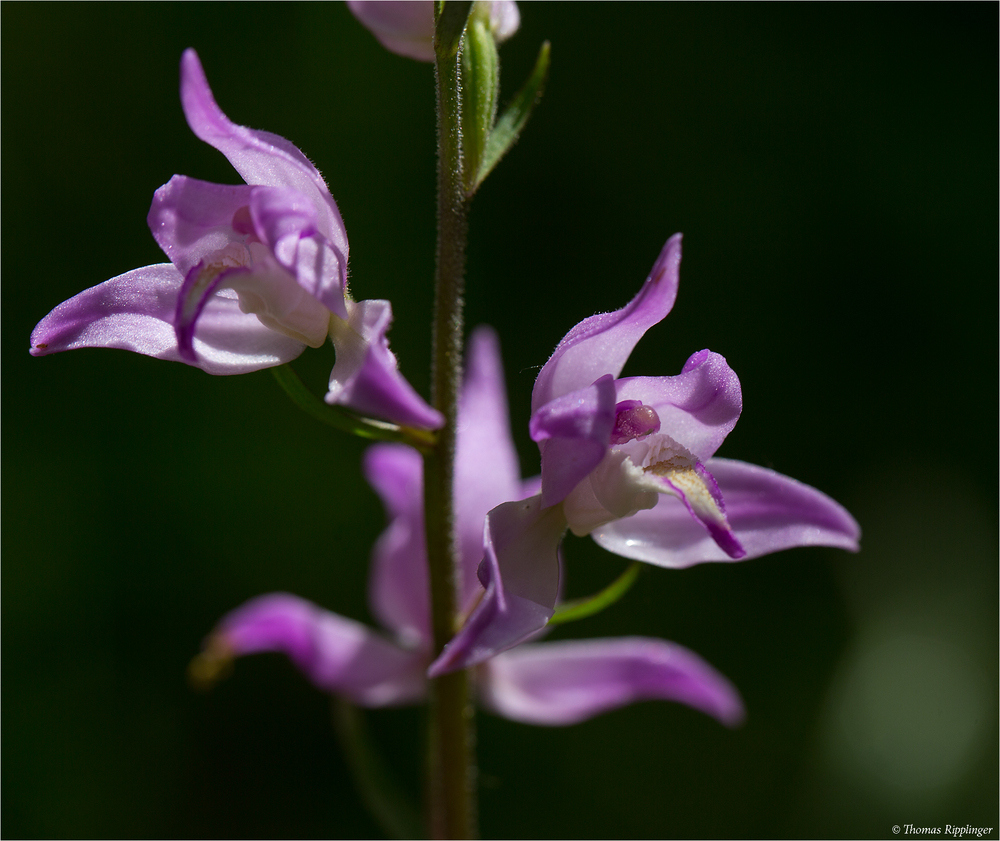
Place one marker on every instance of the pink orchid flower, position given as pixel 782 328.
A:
pixel 632 463
pixel 549 683
pixel 257 272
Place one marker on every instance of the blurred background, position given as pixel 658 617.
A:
pixel 834 170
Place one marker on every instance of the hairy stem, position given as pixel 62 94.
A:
pixel 451 764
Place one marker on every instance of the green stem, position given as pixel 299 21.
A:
pixel 386 803
pixel 582 608
pixel 451 767
pixel 347 421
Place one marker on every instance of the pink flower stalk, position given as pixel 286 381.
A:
pixel 406 27
pixel 553 683
pixel 631 462
pixel 257 272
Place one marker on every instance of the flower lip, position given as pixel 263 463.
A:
pixel 201 281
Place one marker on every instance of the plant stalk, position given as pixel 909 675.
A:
pixel 450 793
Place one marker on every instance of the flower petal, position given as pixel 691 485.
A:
pixel 698 408
pixel 698 490
pixel 258 156
pixel 487 471
pixel 365 377
pixel 768 512
pixel 398 586
pixel 406 27
pixel 135 311
pixel 191 219
pixel 338 655
pixel 286 221
pixel 558 683
pixel 521 575
pixel 601 344
pixel 573 433
pixel 403 27
pixel 505 18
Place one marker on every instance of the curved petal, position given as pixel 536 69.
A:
pixel 505 18
pixel 286 221
pixel 700 493
pixel 521 575
pixel 601 344
pixel 398 587
pixel 263 288
pixel 558 683
pixel 403 27
pixel 698 408
pixel 194 220
pixel 258 156
pixel 135 311
pixel 365 377
pixel 767 512
pixel 487 471
pixel 191 219
pixel 338 655
pixel 573 433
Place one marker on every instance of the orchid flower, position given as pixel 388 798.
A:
pixel 257 272
pixel 406 27
pixel 631 462
pixel 551 683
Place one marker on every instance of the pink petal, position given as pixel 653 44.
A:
pixel 191 219
pixel 573 433
pixel 338 655
pixel 487 471
pixel 698 408
pixel 767 512
pixel 286 221
pixel 135 311
pixel 398 588
pixel 521 575
pixel 558 683
pixel 505 18
pixel 407 28
pixel 403 27
pixel 365 377
pixel 258 156
pixel 601 344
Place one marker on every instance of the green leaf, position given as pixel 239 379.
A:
pixel 450 20
pixel 346 421
pixel 508 128
pixel 582 608
pixel 480 89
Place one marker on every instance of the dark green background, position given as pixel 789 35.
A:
pixel 834 170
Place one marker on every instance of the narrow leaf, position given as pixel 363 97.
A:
pixel 344 420
pixel 480 89
pixel 508 128
pixel 582 608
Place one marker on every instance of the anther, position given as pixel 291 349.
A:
pixel 634 420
